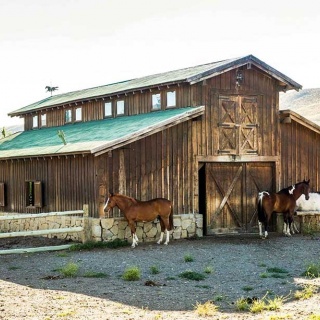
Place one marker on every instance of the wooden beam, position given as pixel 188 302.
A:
pixel 37 249
pixel 40 232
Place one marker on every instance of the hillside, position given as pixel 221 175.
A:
pixel 306 102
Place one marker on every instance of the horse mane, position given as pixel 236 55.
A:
pixel 135 201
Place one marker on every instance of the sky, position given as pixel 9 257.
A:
pixel 78 44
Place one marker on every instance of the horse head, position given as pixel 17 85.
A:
pixel 306 188
pixel 110 202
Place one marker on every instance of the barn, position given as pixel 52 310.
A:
pixel 208 137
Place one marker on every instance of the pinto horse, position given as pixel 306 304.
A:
pixel 283 201
pixel 142 211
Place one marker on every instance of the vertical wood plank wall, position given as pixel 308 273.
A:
pixel 161 165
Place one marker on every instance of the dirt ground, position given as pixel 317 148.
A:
pixel 33 287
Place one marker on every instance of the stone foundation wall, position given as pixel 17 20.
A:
pixel 185 226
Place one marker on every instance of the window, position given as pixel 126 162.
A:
pixel 34 194
pixel 2 194
pixel 108 109
pixel 156 101
pixel 43 120
pixel 171 99
pixel 35 122
pixel 68 116
pixel 78 114
pixel 120 107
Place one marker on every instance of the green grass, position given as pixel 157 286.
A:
pixel 13 268
pixel 70 270
pixel 312 270
pixel 247 288
pixel 131 274
pixel 191 275
pixel 307 292
pixel 154 270
pixel 208 269
pixel 188 258
pixel 92 274
pixel 90 245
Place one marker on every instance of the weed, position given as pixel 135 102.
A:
pixel 277 270
pixel 264 275
pixel 204 286
pixel 90 245
pixel 247 288
pixel 314 317
pixel 188 258
pixel 170 278
pixel 14 268
pixel 306 293
pixel 275 304
pixel 206 309
pixel 208 269
pixel 313 270
pixel 191 275
pixel 242 304
pixel 263 265
pixel 62 254
pixel 131 274
pixel 154 270
pixel 218 297
pixel 92 274
pixel 258 306
pixel 70 270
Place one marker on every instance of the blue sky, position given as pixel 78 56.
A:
pixel 77 44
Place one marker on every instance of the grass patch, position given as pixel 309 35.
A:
pixel 247 288
pixel 131 274
pixel 277 270
pixel 170 278
pixel 208 270
pixel 13 268
pixel 260 305
pixel 188 258
pixel 314 317
pixel 70 270
pixel 312 271
pixel 307 292
pixel 206 309
pixel 203 287
pixel 191 275
pixel 242 304
pixel 264 275
pixel 92 274
pixel 154 270
pixel 62 255
pixel 90 245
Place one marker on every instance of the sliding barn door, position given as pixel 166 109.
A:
pixel 231 192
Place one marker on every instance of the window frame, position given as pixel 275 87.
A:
pixel 67 115
pixel 2 194
pixel 43 120
pixel 76 114
pixel 117 107
pixel 153 104
pixel 170 98
pixel 34 194
pixel 35 122
pixel 105 115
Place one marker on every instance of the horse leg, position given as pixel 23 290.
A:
pixel 260 229
pixel 133 234
pixel 164 228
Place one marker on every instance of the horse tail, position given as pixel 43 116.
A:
pixel 171 218
pixel 261 213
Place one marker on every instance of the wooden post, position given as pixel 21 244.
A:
pixel 86 235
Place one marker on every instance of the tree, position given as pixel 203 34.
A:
pixel 51 89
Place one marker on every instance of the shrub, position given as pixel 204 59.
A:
pixel 191 275
pixel 188 258
pixel 206 309
pixel 131 274
pixel 70 270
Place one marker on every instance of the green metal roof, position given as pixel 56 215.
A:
pixel 94 137
pixel 189 75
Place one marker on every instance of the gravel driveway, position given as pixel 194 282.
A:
pixel 32 287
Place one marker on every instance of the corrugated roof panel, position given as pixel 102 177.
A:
pixel 86 137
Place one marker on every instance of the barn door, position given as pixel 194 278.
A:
pixel 238 124
pixel 231 192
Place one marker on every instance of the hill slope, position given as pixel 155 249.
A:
pixel 306 102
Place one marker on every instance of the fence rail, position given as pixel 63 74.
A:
pixel 42 232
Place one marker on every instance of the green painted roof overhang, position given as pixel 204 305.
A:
pixel 93 137
pixel 189 76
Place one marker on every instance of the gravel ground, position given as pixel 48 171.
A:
pixel 32 287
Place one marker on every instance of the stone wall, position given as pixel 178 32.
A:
pixel 185 226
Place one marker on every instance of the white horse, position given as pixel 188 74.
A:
pixel 313 204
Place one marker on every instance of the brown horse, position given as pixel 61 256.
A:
pixel 283 201
pixel 143 211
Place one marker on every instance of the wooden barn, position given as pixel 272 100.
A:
pixel 207 137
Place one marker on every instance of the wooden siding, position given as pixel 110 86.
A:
pixel 300 155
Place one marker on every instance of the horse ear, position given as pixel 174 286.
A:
pixel 110 193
